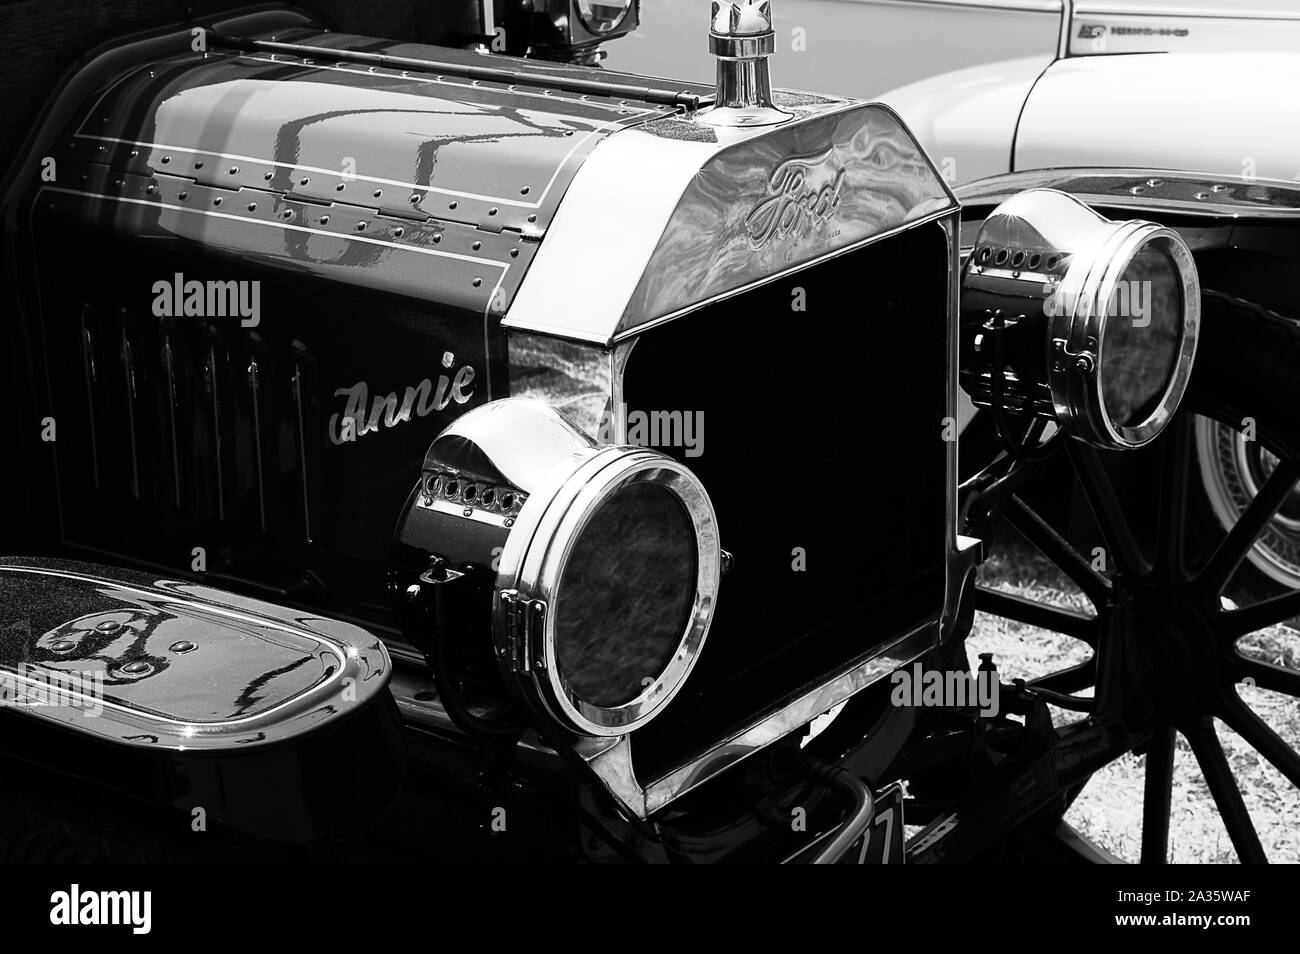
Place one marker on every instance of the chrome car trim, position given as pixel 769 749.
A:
pixel 1097 287
pixel 355 664
pixel 567 475
pixel 619 356
pixel 180 586
pixel 611 759
pixel 541 568
pixel 940 217
pixel 963 552
pixel 654 223
pixel 741 38
pixel 581 381
pixel 1148 190
pixel 855 825
pixel 1095 252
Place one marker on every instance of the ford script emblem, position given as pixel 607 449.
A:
pixel 804 194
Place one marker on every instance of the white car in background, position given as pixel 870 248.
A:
pixel 995 86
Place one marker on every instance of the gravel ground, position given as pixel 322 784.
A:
pixel 1109 810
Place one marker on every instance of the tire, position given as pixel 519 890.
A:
pixel 1231 467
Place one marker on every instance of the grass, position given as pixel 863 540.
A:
pixel 1109 810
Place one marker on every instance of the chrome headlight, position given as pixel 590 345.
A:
pixel 1067 314
pixel 580 577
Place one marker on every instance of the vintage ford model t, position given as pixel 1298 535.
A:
pixel 419 447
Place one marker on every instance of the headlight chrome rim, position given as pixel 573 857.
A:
pixel 537 552
pixel 1087 288
pixel 1092 375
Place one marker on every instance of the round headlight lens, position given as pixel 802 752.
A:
pixel 626 594
pixel 1141 337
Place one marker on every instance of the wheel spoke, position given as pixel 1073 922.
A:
pixel 1269 676
pixel 1247 724
pixel 1071 679
pixel 1157 796
pixel 1106 508
pixel 1218 571
pixel 1233 624
pixel 1065 621
pixel 1172 529
pixel 1056 548
pixel 1227 796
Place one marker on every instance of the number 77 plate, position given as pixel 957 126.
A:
pixel 881 843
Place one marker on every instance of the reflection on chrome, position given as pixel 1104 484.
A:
pixel 1066 314
pixel 602 583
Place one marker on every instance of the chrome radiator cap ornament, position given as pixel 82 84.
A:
pixel 741 37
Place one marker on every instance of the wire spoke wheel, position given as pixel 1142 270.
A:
pixel 1171 650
